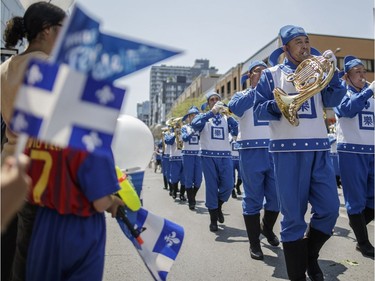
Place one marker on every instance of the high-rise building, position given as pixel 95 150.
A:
pixel 143 112
pixel 168 82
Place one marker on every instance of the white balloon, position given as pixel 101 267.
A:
pixel 132 145
pixel 63 4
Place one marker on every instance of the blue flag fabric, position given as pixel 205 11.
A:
pixel 105 57
pixel 162 241
pixel 67 108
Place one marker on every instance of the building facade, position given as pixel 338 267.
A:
pixel 143 112
pixel 167 83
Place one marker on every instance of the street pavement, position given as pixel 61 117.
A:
pixel 225 255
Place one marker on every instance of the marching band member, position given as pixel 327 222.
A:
pixel 355 146
pixel 190 157
pixel 165 162
pixel 176 173
pixel 214 129
pixel 303 170
pixel 236 167
pixel 158 155
pixel 257 166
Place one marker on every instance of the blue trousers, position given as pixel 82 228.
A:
pixel 192 171
pixel 357 178
pixel 218 178
pixel 165 167
pixel 236 167
pixel 176 172
pixel 258 181
pixel 302 178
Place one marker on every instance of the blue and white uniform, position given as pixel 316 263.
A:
pixel 256 162
pixel 236 160
pixel 190 157
pixel 176 173
pixel 165 159
pixel 216 155
pixel 355 147
pixel 303 170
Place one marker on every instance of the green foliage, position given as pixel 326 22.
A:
pixel 181 109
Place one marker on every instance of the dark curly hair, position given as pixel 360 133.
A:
pixel 37 17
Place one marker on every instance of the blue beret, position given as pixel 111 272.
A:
pixel 255 63
pixel 192 110
pixel 290 32
pixel 350 62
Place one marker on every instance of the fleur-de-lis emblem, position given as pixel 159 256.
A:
pixel 105 95
pixel 34 75
pixel 171 239
pixel 91 141
pixel 19 122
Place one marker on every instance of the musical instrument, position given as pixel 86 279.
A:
pixel 311 76
pixel 176 124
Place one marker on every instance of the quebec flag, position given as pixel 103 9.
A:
pixel 162 240
pixel 67 108
pixel 83 47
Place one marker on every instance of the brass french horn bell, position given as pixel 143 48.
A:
pixel 311 76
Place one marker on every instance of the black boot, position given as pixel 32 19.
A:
pixel 234 195
pixel 295 254
pixel 268 222
pixel 239 182
pixel 213 219
pixel 220 214
pixel 174 188
pixel 182 193
pixel 316 240
pixel 165 182
pixel 369 215
pixel 190 197
pixel 252 223
pixel 170 189
pixel 358 224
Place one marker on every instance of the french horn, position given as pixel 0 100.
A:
pixel 311 76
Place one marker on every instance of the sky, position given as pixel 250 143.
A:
pixel 224 32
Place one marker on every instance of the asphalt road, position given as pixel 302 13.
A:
pixel 225 255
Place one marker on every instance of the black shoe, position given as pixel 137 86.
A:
pixel 182 197
pixel 191 207
pixel 213 227
pixel 234 195
pixel 366 249
pixel 256 252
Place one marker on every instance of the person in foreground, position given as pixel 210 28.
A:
pixel 303 170
pixel 355 147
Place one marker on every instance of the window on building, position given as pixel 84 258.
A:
pixel 234 83
pixel 228 88
pixel 222 90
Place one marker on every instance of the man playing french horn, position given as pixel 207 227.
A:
pixel 303 170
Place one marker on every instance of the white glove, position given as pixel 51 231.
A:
pixel 372 86
pixel 189 130
pixel 329 55
pixel 217 107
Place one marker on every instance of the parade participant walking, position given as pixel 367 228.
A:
pixel 158 154
pixel 190 157
pixel 176 171
pixel 256 165
pixel 165 161
pixel 40 26
pixel 303 170
pixel 214 128
pixel 236 167
pixel 355 146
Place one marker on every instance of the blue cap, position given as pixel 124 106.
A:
pixel 255 63
pixel 350 62
pixel 289 32
pixel 192 110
